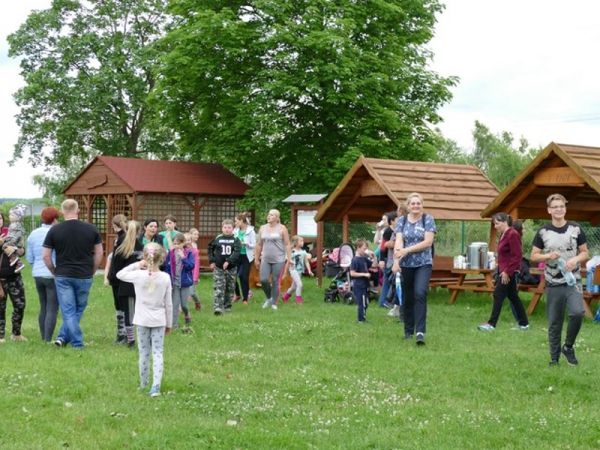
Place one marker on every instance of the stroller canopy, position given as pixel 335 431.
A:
pixel 346 253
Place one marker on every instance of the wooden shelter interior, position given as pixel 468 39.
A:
pixel 375 186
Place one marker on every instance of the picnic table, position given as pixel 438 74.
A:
pixel 479 280
pixel 538 291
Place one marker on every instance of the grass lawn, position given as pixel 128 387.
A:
pixel 303 377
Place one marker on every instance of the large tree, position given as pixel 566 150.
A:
pixel 89 68
pixel 289 93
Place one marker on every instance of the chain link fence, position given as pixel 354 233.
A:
pixel 453 237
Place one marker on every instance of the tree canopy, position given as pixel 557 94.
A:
pixel 290 93
pixel 285 94
pixel 88 70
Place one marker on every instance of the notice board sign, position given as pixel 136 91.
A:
pixel 307 227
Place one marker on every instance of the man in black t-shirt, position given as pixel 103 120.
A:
pixel 564 248
pixel 78 249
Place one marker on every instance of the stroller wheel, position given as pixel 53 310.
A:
pixel 348 298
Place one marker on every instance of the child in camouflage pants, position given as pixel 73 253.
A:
pixel 224 257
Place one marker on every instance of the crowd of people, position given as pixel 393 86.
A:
pixel 154 274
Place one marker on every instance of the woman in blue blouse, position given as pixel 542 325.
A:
pixel 413 255
pixel 44 280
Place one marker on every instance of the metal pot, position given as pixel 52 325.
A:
pixel 477 254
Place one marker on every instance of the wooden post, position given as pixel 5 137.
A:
pixel 320 235
pixel 294 219
pixel 345 228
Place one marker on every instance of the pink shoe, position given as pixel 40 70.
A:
pixel 299 299
pixel 286 297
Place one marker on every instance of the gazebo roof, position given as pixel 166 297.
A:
pixel 374 186
pixel 571 170
pixel 144 175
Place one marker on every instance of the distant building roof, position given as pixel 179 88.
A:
pixel 143 175
pixel 305 198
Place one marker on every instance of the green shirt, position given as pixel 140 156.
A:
pixel 165 240
pixel 241 234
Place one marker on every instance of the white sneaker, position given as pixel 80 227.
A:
pixel 394 312
pixel 274 307
pixel 267 303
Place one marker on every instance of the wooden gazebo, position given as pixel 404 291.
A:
pixel 199 195
pixel 571 170
pixel 374 186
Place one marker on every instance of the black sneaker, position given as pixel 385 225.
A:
pixel 420 339
pixel 59 343
pixel 569 353
pixel 553 363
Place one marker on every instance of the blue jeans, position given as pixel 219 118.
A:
pixel 385 287
pixel 415 284
pixel 72 296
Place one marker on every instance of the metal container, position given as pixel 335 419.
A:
pixel 477 254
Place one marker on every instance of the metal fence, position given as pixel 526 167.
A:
pixel 453 237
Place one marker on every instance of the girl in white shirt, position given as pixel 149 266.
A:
pixel 153 311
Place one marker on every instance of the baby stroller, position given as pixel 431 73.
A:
pixel 340 288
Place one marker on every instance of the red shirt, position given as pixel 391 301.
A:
pixel 3 231
pixel 509 251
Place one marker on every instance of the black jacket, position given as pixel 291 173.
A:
pixel 225 249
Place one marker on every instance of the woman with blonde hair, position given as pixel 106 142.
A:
pixel 272 250
pixel 413 255
pixel 128 252
pixel 119 224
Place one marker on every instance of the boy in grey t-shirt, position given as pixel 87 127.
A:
pixel 564 248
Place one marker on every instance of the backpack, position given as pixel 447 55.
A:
pixel 423 217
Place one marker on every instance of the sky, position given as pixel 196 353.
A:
pixel 527 67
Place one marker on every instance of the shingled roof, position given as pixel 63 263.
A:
pixel 143 175
pixel 374 186
pixel 571 170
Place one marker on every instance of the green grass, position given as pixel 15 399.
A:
pixel 303 377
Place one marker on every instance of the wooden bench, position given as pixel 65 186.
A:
pixel 441 274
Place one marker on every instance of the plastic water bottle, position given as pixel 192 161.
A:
pixel 569 277
pixel 399 287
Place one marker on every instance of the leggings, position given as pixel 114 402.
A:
pixel 126 304
pixel 296 283
pixel 243 273
pixel 180 296
pixel 270 278
pixel 48 306
pixel 151 339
